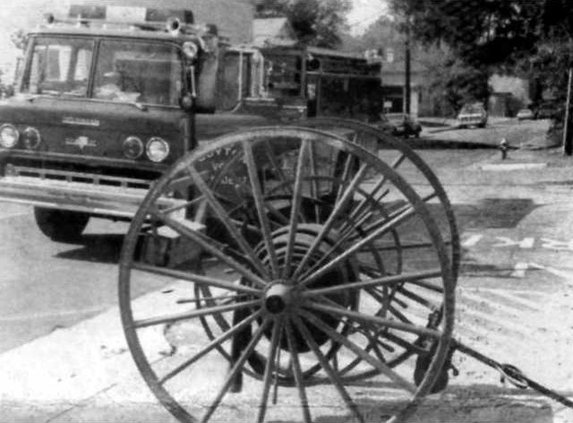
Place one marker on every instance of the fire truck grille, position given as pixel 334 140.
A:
pixel 77 177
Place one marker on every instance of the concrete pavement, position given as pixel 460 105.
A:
pixel 85 373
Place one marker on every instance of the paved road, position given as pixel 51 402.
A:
pixel 513 292
pixel 46 285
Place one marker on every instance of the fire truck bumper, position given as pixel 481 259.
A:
pixel 109 201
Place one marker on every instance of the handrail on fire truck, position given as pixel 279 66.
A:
pixel 172 25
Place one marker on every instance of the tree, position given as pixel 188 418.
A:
pixel 18 39
pixel 481 32
pixel 530 38
pixel 449 81
pixel 315 22
pixel 383 34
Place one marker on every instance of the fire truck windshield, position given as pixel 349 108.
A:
pixel 124 70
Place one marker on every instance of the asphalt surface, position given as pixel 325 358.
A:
pixel 64 359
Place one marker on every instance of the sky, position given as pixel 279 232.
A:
pixel 16 14
pixel 365 13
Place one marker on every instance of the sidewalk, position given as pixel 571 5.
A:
pixel 87 375
pixel 443 133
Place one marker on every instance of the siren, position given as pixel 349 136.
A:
pixel 49 18
pixel 173 25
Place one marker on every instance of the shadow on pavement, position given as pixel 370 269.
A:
pixel 101 248
pixel 493 213
pixel 443 144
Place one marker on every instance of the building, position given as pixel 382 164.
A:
pixel 269 32
pixel 394 86
pixel 508 95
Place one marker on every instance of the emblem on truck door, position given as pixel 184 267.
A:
pixel 81 142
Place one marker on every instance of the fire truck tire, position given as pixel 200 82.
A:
pixel 61 225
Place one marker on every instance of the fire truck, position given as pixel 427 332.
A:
pixel 109 97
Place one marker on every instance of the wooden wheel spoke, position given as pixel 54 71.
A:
pixel 386 323
pixel 257 192
pixel 211 346
pixel 183 205
pixel 296 205
pixel 275 163
pixel 195 313
pixel 314 186
pixel 359 210
pixel 379 335
pixel 383 281
pixel 210 247
pixel 270 368
pixel 388 225
pixel 429 286
pixel 348 162
pixel 335 214
pixel 237 367
pixel 298 377
pixel 411 246
pixel 359 351
pixel 417 298
pixel 331 373
pixel 277 215
pixel 391 221
pixel 195 278
pixel 224 219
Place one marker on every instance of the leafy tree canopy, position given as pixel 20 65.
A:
pixel 481 32
pixel 533 38
pixel 315 22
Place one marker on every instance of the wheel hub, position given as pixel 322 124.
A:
pixel 278 298
pixel 284 296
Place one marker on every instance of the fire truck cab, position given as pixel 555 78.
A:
pixel 109 97
pixel 104 104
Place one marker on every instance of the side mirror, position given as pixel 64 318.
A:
pixel 190 52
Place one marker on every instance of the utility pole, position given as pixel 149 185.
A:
pixel 567 135
pixel 407 88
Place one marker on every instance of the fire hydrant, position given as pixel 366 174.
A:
pixel 503 147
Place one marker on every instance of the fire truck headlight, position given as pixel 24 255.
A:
pixel 32 138
pixel 9 136
pixel 157 149
pixel 132 147
pixel 190 50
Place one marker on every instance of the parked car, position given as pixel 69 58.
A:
pixel 384 124
pixel 525 114
pixel 547 111
pixel 472 114
pixel 404 125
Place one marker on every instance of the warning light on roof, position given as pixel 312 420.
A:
pixel 129 14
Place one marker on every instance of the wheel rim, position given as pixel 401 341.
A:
pixel 308 294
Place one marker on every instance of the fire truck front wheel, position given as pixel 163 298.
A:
pixel 61 225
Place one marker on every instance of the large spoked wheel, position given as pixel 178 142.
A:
pixel 293 280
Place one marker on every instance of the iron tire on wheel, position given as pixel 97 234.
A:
pixel 296 275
